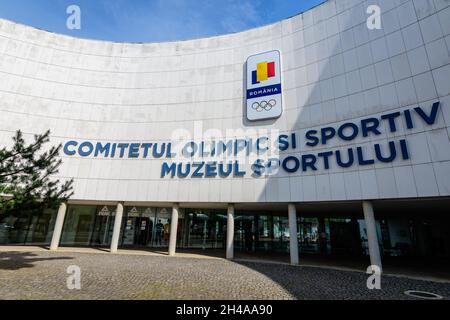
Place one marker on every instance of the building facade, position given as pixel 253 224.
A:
pixel 158 138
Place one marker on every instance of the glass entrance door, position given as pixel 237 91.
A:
pixel 162 228
pixel 146 227
pixel 207 229
pixel 103 229
pixel 308 235
pixel 280 233
pixel 103 226
pixel 138 225
pixel 261 232
pixel 244 232
pixel 345 236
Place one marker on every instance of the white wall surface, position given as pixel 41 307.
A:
pixel 334 70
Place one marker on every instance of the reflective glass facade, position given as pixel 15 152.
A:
pixel 205 229
pixel 415 236
pixel 261 232
pixel 399 235
pixel 86 225
pixel 27 227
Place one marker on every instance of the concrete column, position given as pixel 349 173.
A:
pixel 116 230
pixel 230 232
pixel 293 233
pixel 372 239
pixel 58 226
pixel 173 230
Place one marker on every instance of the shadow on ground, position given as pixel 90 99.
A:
pixel 15 260
pixel 306 283
pixel 430 267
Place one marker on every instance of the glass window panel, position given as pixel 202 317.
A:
pixel 79 224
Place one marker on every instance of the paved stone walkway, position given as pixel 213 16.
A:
pixel 42 275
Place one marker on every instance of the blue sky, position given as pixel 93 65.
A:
pixel 152 20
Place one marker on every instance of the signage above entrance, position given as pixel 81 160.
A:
pixel 210 159
pixel 104 211
pixel 263 96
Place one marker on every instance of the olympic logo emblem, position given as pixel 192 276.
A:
pixel 264 105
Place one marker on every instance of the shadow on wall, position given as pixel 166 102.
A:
pixel 18 260
pixel 323 96
pixel 306 95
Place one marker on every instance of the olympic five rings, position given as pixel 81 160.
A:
pixel 264 105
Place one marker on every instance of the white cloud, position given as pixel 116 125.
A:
pixel 240 14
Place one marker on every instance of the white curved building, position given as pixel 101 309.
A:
pixel 363 117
